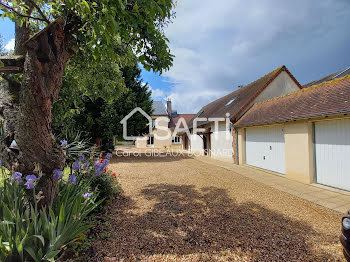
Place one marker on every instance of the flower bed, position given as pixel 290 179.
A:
pixel 30 233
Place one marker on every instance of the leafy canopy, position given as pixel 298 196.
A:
pixel 94 26
pixel 98 115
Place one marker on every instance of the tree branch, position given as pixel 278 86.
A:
pixel 22 15
pixel 40 11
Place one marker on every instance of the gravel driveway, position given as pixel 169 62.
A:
pixel 181 209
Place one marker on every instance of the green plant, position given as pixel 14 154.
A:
pixel 106 185
pixel 76 146
pixel 29 234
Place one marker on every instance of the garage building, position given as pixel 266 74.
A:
pixel 304 135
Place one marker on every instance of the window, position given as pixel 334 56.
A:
pixel 231 101
pixel 150 141
pixel 176 140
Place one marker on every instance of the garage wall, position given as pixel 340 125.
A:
pixel 299 151
pixel 221 142
pixel 241 146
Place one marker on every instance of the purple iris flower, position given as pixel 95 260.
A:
pixel 98 171
pixel 76 165
pixel 64 143
pixel 81 158
pixel 86 195
pixel 30 181
pixel 86 165
pixel 105 163
pixel 72 180
pixel 16 177
pixel 57 174
pixel 109 156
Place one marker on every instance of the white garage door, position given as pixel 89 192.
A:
pixel 332 150
pixel 265 148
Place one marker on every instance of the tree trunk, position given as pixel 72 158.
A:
pixel 42 78
pixel 21 35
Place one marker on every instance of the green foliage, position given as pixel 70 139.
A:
pixel 95 25
pixel 32 235
pixel 107 186
pixel 100 117
pixel 77 145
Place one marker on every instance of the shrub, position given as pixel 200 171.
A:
pixel 106 183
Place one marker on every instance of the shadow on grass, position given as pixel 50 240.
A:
pixel 206 222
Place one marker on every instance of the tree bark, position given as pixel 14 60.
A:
pixel 22 34
pixel 44 64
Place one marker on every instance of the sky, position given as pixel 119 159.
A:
pixel 221 45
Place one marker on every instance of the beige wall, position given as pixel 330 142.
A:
pixel 283 84
pixel 299 150
pixel 241 146
pixel 162 123
pixel 141 143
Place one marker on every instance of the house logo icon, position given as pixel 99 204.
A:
pixel 124 122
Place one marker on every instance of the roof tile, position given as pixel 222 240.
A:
pixel 328 98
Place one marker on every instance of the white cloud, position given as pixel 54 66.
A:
pixel 10 46
pixel 220 46
pixel 157 94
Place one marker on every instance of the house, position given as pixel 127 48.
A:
pixel 164 121
pixel 303 135
pixel 220 142
pixel 330 77
pixel 181 140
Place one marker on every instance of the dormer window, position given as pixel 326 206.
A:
pixel 231 101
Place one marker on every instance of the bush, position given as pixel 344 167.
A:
pixel 30 234
pixel 106 184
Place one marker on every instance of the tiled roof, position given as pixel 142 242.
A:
pixel 237 101
pixel 335 75
pixel 327 98
pixel 159 109
pixel 186 117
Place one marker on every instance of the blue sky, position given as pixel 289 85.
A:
pixel 220 46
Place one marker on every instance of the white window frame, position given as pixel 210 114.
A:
pixel 176 140
pixel 150 141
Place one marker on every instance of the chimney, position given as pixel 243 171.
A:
pixel 168 105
